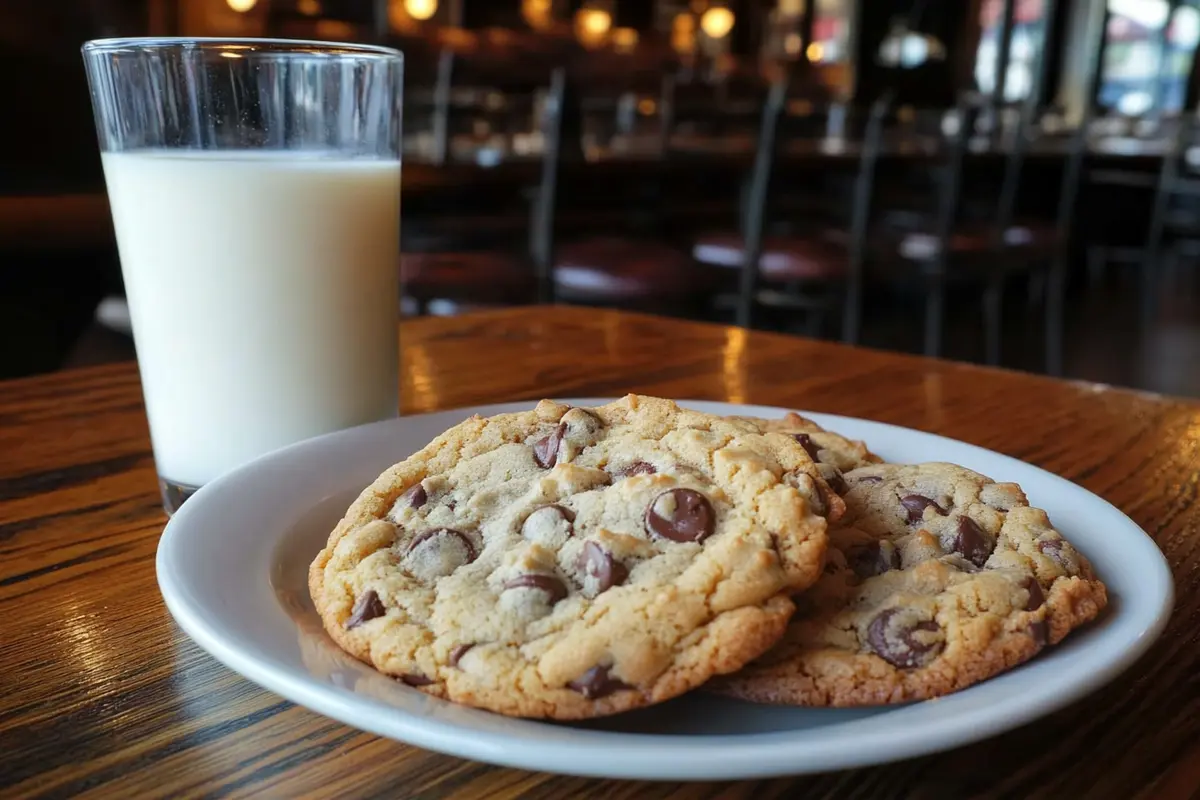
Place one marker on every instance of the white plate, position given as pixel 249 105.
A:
pixel 232 567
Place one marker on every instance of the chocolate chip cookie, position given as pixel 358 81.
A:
pixel 834 454
pixel 575 562
pixel 936 578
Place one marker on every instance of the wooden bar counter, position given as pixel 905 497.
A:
pixel 103 696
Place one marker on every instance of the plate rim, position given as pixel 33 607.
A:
pixel 677 757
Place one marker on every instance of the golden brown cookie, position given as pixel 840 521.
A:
pixel 834 453
pixel 936 578
pixel 570 562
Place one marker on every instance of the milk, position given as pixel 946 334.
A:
pixel 263 292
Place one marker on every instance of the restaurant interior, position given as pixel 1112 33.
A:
pixel 1005 182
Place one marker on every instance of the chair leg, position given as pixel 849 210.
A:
pixel 814 323
pixel 1055 291
pixel 1150 257
pixel 852 313
pixel 1037 290
pixel 1149 288
pixel 1169 274
pixel 993 323
pixel 935 310
pixel 1097 265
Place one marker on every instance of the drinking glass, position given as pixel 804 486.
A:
pixel 255 193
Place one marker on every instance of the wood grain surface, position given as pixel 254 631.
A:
pixel 104 696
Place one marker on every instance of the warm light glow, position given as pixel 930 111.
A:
pixel 593 22
pixel 683 33
pixel 420 9
pixel 791 8
pixel 815 52
pixel 397 17
pixel 334 29
pixel 646 106
pixel 793 43
pixel 717 22
pixel 799 108
pixel 537 13
pixel 242 6
pixel 309 8
pixel 624 38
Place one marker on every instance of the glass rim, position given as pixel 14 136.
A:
pixel 311 47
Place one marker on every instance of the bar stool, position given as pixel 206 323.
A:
pixel 629 264
pixel 791 267
pixel 466 245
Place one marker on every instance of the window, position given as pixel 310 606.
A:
pixel 1028 38
pixel 1147 55
pixel 782 38
pixel 831 32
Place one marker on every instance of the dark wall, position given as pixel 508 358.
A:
pixel 492 14
pixel 47 139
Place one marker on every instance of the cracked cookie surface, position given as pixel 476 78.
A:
pixel 569 562
pixel 936 578
pixel 833 453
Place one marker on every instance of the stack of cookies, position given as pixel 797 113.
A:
pixel 575 562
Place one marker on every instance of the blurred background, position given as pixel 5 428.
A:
pixel 1010 182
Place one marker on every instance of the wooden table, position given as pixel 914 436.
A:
pixel 104 696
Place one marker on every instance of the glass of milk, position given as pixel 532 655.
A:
pixel 255 192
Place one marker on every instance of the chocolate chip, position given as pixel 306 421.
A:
pixel 597 683
pixel 594 420
pixel 1036 596
pixel 598 563
pixel 823 492
pixel 1053 550
pixel 875 559
pixel 1040 633
pixel 901 639
pixel 817 498
pixel 416 496
pixel 458 652
pixel 809 446
pixel 916 504
pixel 421 538
pixel 416 679
pixel 636 468
pixel 972 542
pixel 437 553
pixel 837 483
pixel 554 588
pixel 547 523
pixel 366 609
pixel 869 479
pixel 565 512
pixel 545 450
pixel 681 515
